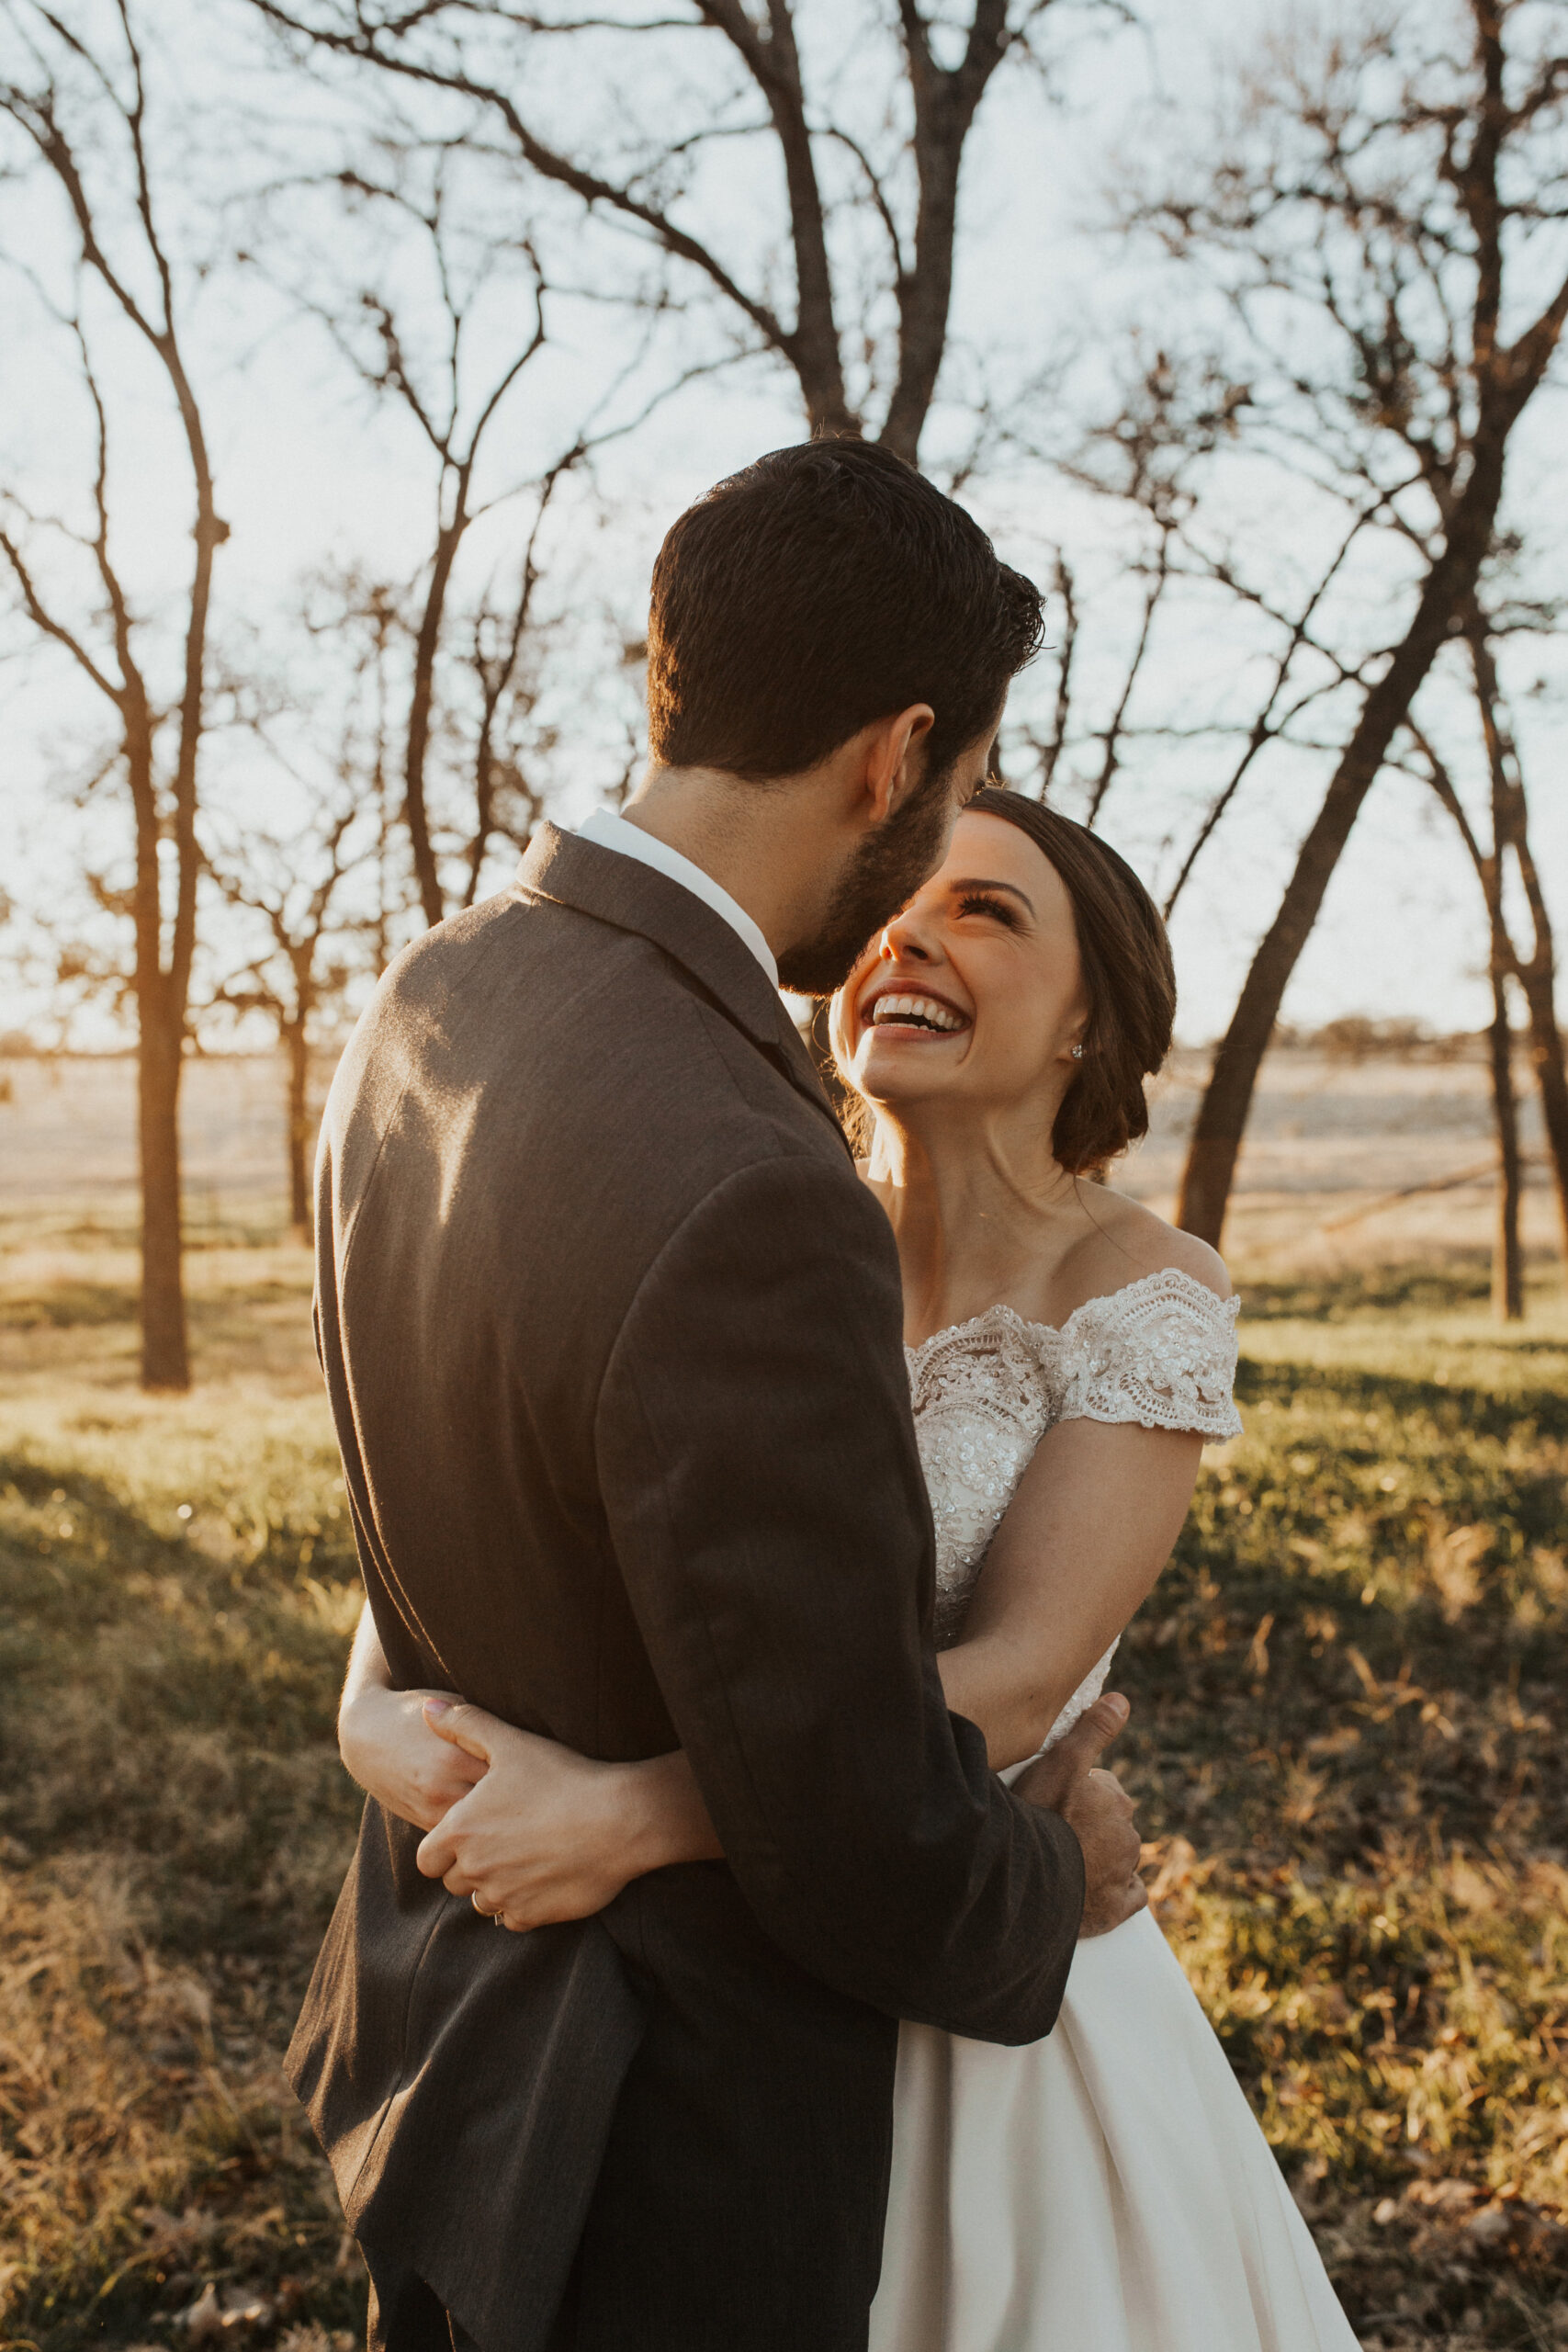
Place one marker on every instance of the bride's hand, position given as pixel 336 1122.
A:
pixel 389 1748
pixel 546 1834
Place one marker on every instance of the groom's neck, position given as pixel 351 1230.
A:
pixel 771 845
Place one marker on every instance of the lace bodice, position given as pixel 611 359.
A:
pixel 1161 1352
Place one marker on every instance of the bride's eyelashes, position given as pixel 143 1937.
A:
pixel 981 902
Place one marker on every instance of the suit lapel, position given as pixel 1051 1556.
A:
pixel 633 896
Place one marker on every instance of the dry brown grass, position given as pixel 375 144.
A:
pixel 175 1822
pixel 1348 1738
pixel 1347 1745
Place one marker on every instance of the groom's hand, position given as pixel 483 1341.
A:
pixel 1097 1808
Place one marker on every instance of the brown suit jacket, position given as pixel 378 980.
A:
pixel 612 1333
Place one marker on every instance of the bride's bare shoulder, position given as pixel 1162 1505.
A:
pixel 1126 1241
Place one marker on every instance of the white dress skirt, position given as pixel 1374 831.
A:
pixel 1107 2190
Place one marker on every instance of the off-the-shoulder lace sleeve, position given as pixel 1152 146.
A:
pixel 1161 1353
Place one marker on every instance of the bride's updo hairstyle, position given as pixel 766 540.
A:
pixel 1128 977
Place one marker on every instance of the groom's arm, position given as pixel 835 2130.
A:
pixel 757 1459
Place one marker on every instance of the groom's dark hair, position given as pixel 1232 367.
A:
pixel 821 588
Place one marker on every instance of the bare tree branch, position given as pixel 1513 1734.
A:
pixel 164 936
pixel 762 39
pixel 1112 736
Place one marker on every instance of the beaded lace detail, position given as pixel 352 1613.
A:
pixel 1161 1352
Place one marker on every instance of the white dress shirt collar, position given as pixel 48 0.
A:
pixel 611 831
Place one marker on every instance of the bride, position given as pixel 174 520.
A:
pixel 1106 2189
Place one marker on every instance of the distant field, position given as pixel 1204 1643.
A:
pixel 1347 1741
pixel 1328 1141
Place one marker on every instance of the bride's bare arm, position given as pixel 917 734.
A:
pixel 1077 1552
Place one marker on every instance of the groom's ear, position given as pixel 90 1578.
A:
pixel 895 760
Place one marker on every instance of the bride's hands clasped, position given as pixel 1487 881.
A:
pixel 546 1834
pixel 531 1831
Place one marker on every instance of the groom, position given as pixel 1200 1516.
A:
pixel 612 1333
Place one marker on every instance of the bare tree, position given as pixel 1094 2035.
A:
pixel 1508 851
pixel 82 112
pixel 451 403
pixel 1162 427
pixel 1078 753
pixel 360 625
pixel 1047 750
pixel 1508 1259
pixel 505 801
pixel 890 162
pixel 305 959
pixel 1385 195
pixel 1536 972
pixel 1301 673
pixel 1146 457
pixel 417 355
pixel 1507 1256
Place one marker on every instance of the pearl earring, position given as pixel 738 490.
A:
pixel 1077 1053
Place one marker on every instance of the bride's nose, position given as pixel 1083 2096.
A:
pixel 906 940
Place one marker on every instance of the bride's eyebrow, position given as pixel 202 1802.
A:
pixel 958 888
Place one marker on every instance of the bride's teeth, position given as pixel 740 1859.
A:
pixel 915 1008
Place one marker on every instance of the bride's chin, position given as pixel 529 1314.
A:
pixel 883 1080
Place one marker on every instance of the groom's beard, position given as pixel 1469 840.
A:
pixel 884 873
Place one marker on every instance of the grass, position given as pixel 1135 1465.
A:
pixel 1347 1745
pixel 177 1589
pixel 1348 1748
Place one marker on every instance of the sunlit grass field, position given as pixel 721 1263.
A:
pixel 1347 1745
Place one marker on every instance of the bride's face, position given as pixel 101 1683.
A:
pixel 974 991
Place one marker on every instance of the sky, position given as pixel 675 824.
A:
pixel 315 476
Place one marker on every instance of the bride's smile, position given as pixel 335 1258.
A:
pixel 919 1015
pixel 973 993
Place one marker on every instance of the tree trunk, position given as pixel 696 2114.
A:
pixel 1222 1118
pixel 160 1050
pixel 925 297
pixel 165 1355
pixel 812 349
pixel 945 104
pixel 1536 972
pixel 296 1047
pixel 1552 1078
pixel 416 815
pixel 161 989
pixel 1507 1266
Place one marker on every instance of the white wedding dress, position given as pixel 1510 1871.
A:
pixel 1107 2190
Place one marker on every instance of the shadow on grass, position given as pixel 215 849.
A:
pixel 81 1306
pixel 1418 1410
pixel 1346 1745
pixel 1463 1282
pixel 169 1705
pixel 67 1306
pixel 1381 1555
pixel 175 1825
